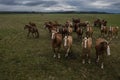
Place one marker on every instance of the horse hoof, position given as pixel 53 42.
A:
pixel 83 62
pixel 58 56
pixel 102 66
pixel 66 55
pixel 89 62
pixel 54 56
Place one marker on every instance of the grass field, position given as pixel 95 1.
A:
pixel 32 59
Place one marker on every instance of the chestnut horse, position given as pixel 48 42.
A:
pixel 86 49
pixel 32 30
pixel 68 44
pixel 113 32
pixel 56 43
pixel 89 31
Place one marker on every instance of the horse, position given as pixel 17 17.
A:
pixel 49 25
pixel 104 31
pixel 113 32
pixel 68 44
pixel 56 43
pixel 86 49
pixel 79 32
pixel 75 23
pixel 89 31
pixel 99 23
pixel 33 31
pixel 102 48
pixel 104 23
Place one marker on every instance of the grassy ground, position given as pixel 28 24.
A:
pixel 32 59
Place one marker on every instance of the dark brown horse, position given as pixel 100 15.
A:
pixel 51 25
pixel 75 23
pixel 32 30
pixel 99 23
pixel 102 48
pixel 79 32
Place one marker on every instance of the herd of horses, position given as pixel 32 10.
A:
pixel 62 34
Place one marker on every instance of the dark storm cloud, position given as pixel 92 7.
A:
pixel 43 3
pixel 8 2
pixel 61 5
pixel 116 5
pixel 28 2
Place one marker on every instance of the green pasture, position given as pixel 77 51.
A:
pixel 23 58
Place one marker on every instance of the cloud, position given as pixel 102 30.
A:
pixel 60 5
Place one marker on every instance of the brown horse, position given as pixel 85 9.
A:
pixel 102 48
pixel 49 25
pixel 104 31
pixel 99 23
pixel 68 44
pixel 86 49
pixel 113 32
pixel 56 43
pixel 104 23
pixel 75 23
pixel 89 31
pixel 84 24
pixel 79 32
pixel 32 30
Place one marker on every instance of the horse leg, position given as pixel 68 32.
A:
pixel 68 50
pixel 58 53
pixel 102 61
pixel 89 61
pixel 33 34
pixel 54 53
pixel 97 57
pixel 37 34
pixel 83 58
pixel 116 35
pixel 28 34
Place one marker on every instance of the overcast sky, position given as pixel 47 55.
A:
pixel 60 5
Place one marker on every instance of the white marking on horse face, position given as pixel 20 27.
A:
pixel 65 41
pixel 108 50
pixel 85 42
pixel 53 35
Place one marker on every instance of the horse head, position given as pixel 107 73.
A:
pixel 26 26
pixel 53 34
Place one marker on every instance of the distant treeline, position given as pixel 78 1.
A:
pixel 65 12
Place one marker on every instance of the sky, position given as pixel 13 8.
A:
pixel 112 6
